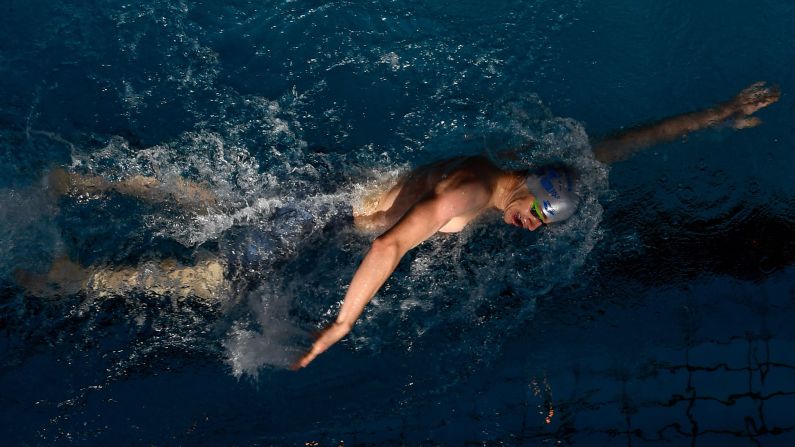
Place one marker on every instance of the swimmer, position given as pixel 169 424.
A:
pixel 444 197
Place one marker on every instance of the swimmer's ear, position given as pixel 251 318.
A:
pixel 746 123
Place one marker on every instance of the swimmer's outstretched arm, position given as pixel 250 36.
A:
pixel 422 221
pixel 738 110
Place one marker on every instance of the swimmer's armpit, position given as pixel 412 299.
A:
pixel 737 111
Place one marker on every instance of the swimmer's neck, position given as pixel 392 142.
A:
pixel 508 186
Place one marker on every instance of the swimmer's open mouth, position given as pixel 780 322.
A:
pixel 517 220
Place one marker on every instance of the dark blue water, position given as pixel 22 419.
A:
pixel 660 315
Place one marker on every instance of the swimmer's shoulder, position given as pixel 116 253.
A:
pixel 467 174
pixel 468 177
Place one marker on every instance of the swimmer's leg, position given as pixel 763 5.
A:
pixel 169 277
pixel 65 277
pixel 185 193
pixel 61 182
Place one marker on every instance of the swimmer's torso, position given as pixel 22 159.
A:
pixel 387 208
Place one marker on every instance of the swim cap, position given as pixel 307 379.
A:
pixel 554 189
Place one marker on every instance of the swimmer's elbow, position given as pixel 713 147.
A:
pixel 419 224
pixel 390 249
pixel 386 247
pixel 344 326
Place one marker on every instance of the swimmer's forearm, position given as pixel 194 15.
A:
pixel 378 264
pixel 620 146
pixel 421 222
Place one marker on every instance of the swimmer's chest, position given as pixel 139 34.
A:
pixel 457 180
pixel 458 223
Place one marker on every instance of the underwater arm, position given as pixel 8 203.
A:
pixel 418 224
pixel 622 145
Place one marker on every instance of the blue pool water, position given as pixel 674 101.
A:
pixel 661 315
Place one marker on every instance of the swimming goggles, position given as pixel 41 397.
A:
pixel 536 210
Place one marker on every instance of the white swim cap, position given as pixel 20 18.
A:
pixel 554 189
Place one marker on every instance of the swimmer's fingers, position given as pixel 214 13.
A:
pixel 303 361
pixel 754 97
pixel 327 337
pixel 317 348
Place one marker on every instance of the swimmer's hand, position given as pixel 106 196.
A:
pixel 754 97
pixel 327 337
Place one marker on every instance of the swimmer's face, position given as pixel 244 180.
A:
pixel 524 213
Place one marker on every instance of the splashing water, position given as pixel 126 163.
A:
pixel 276 211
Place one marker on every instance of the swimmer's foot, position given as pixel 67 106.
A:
pixel 64 278
pixel 754 97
